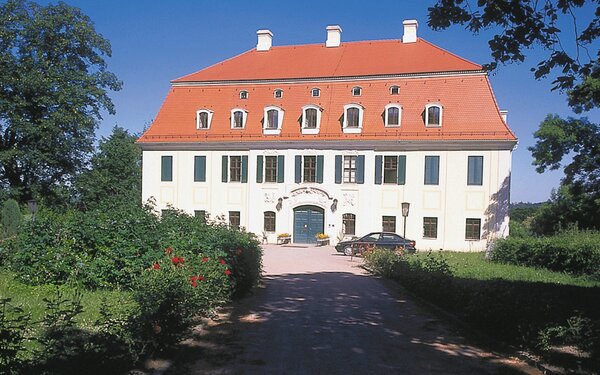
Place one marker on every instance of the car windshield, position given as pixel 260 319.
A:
pixel 370 237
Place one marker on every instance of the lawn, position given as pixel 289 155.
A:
pixel 474 266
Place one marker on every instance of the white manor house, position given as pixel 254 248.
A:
pixel 333 138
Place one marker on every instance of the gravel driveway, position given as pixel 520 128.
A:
pixel 320 313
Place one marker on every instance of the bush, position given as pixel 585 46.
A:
pixel 13 325
pixel 11 218
pixel 383 262
pixel 576 252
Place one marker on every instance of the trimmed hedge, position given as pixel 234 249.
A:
pixel 576 252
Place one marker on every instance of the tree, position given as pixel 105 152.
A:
pixel 571 51
pixel 53 87
pixel 116 171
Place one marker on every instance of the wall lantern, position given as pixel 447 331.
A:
pixel 405 208
pixel 334 205
pixel 279 204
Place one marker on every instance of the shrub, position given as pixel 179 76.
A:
pixel 573 251
pixel 383 262
pixel 13 325
pixel 11 218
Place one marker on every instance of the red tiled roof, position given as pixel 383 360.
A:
pixel 349 59
pixel 469 107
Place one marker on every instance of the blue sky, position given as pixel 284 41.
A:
pixel 156 41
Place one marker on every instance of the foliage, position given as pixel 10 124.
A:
pixel 115 175
pixel 11 218
pixel 573 251
pixel 383 262
pixel 54 88
pixel 13 325
pixel 520 211
pixel 522 25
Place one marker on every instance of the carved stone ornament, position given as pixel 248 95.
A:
pixel 309 195
pixel 269 197
pixel 349 199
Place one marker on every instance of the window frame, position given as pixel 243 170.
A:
pixel 200 215
pixel 348 218
pixel 397 88
pixel 209 115
pixel 469 233
pixel 352 169
pixel 393 158
pixel 353 129
pixel 244 118
pixel 357 91
pixel 476 180
pixel 232 169
pixel 271 221
pixel 311 168
pixel 389 219
pixel 164 176
pixel 433 105
pixel 235 216
pixel 425 174
pixel 305 129
pixel 317 90
pixel 430 227
pixel 278 93
pixel 272 169
pixel 280 112
pixel 243 95
pixel 387 118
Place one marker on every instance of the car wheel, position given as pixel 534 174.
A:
pixel 348 250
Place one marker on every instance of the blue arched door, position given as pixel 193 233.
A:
pixel 308 221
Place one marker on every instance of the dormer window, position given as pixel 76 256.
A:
pixel 353 118
pixel 273 119
pixel 433 115
pixel 243 94
pixel 394 90
pixel 238 118
pixel 203 119
pixel 311 119
pixel 356 91
pixel 393 115
pixel 278 94
pixel 315 92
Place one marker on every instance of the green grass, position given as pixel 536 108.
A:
pixel 474 266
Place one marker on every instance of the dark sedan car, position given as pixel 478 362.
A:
pixel 380 240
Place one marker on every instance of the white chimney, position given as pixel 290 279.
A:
pixel 410 31
pixel 334 36
pixel 265 40
pixel 504 114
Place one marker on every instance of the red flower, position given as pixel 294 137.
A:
pixel 178 261
pixel 181 260
pixel 205 259
pixel 222 261
pixel 201 278
pixel 227 272
pixel 193 281
pixel 156 266
pixel 169 250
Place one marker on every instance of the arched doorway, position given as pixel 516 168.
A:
pixel 308 221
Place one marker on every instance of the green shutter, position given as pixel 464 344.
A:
pixel 298 169
pixel 166 168
pixel 338 169
pixel 360 169
pixel 259 169
pixel 378 167
pixel 199 168
pixel 280 168
pixel 224 171
pixel 244 168
pixel 401 169
pixel 319 169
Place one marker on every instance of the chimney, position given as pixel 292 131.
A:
pixel 504 114
pixel 265 40
pixel 334 36
pixel 410 31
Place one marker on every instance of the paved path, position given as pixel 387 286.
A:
pixel 320 313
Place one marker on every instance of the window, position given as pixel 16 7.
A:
pixel 273 119
pixel 350 169
pixel 390 169
pixel 309 169
pixel 271 167
pixel 243 94
pixel 234 219
pixel 234 169
pixel 199 168
pixel 349 224
pixel 392 115
pixel 433 115
pixel 269 221
pixel 432 170
pixel 166 168
pixel 356 91
pixel 430 227
pixel 278 93
pixel 238 118
pixel 473 229
pixel 394 90
pixel 200 215
pixel 389 223
pixel 203 119
pixel 475 170
pixel 311 119
pixel 353 118
pixel 315 92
